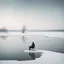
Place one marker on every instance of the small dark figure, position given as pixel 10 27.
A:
pixel 32 46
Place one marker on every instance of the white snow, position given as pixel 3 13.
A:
pixel 45 34
pixel 32 50
pixel 48 57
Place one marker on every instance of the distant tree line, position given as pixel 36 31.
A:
pixel 3 29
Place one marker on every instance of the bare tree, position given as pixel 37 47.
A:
pixel 24 29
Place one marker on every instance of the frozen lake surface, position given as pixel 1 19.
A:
pixel 50 45
pixel 49 34
pixel 47 57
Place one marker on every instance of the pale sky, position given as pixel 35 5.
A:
pixel 35 14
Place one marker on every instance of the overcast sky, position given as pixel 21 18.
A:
pixel 35 14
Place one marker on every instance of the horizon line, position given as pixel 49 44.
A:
pixel 56 30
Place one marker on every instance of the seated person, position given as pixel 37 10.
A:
pixel 32 46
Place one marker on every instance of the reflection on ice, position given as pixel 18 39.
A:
pixel 3 37
pixel 23 38
pixel 32 56
pixel 35 55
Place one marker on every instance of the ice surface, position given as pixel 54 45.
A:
pixel 46 34
pixel 32 51
pixel 48 57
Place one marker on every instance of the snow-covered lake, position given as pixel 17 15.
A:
pixel 47 57
pixel 13 44
pixel 49 34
